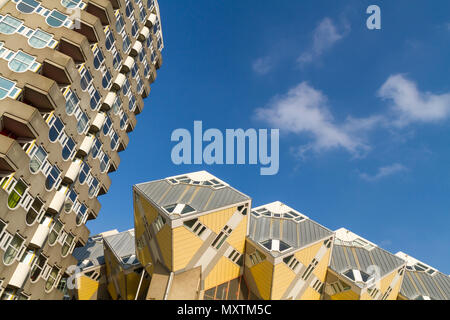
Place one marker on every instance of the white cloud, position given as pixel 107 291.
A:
pixel 262 66
pixel 304 110
pixel 384 172
pixel 325 37
pixel 410 105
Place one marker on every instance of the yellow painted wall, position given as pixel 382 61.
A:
pixel 132 280
pixel 386 281
pixel 87 288
pixel 164 239
pixel 310 294
pixel 150 212
pixel 306 255
pixel 237 237
pixel 282 278
pixel 216 221
pixel 346 295
pixel 185 245
pixel 321 270
pixel 224 271
pixel 262 274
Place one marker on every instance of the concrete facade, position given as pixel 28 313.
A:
pixel 73 76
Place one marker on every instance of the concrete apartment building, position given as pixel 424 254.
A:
pixel 73 76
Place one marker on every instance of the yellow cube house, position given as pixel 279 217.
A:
pixel 190 233
pixel 287 254
pixel 360 270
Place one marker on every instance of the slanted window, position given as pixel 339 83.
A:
pixel 72 101
pixel 37 268
pixel 56 129
pixel 52 277
pixel 109 42
pixel 291 262
pixel 96 148
pixel 95 98
pixel 107 126
pixel 37 160
pixel 126 42
pixel 107 78
pixel 56 19
pixel 93 187
pixel 117 105
pixel 126 87
pixel 134 29
pixel 86 78
pixel 257 257
pixel 7 88
pixel 195 226
pixel 35 211
pixel 70 4
pixel 84 173
pixel 13 249
pixel 123 120
pixel 81 214
pixel 68 241
pixel 40 39
pixel 99 58
pixel 16 194
pixel 53 178
pixel 159 223
pixel 68 148
pixel 83 121
pixel 114 140
pixel 70 200
pixel 22 62
pixel 55 232
pixel 129 9
pixel 117 59
pixel 134 70
pixel 104 162
pixel 27 6
pixel 9 25
pixel 132 103
pixel 120 24
pixel 220 239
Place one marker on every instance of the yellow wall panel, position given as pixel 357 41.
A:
pixel 150 212
pixel 224 271
pixel 216 221
pixel 87 289
pixel 185 245
pixel 386 281
pixel 132 285
pixel 321 270
pixel 306 255
pixel 310 294
pixel 237 237
pixel 346 295
pixel 164 239
pixel 112 291
pixel 282 278
pixel 262 274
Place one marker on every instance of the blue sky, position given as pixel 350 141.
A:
pixel 364 115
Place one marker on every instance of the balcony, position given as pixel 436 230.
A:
pixel 20 274
pixel 40 235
